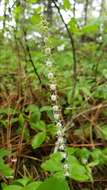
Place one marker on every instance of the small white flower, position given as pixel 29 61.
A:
pixel 46 39
pixel 61 147
pixel 50 75
pixel 60 140
pixel 84 160
pixel 55 108
pixel 64 155
pixel 56 116
pixel 48 50
pixel 53 97
pixel 49 63
pixel 59 132
pixel 66 166
pixel 59 124
pixel 61 47
pixel 66 174
pixel 53 86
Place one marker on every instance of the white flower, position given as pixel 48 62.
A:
pixel 48 50
pixel 56 116
pixel 60 140
pixel 61 47
pixel 64 155
pixel 59 132
pixel 50 75
pixel 84 161
pixel 61 147
pixel 66 169
pixel 53 86
pixel 49 63
pixel 55 108
pixel 66 166
pixel 66 174
pixel 46 39
pixel 53 97
pixel 59 124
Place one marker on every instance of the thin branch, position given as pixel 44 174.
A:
pixel 23 21
pixel 83 114
pixel 30 57
pixel 73 49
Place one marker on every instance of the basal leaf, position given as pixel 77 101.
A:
pixel 5 170
pixel 53 183
pixel 38 139
pixel 12 187
pixel 77 171
pixel 40 125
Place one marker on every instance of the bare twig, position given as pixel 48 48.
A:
pixel 83 114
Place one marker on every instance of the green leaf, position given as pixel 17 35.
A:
pixel 66 4
pixel 40 125
pixel 32 186
pixel 73 26
pixel 103 131
pixel 71 150
pixel 22 182
pixel 100 92
pixel 36 18
pixel 12 187
pixel 78 172
pixel 5 170
pixel 83 154
pixel 98 158
pixel 35 113
pixel 53 183
pixel 17 12
pixel 32 1
pixel 38 139
pixel 32 108
pixel 55 160
pixel 46 108
pixel 6 111
pixel 21 120
pixel 91 27
pixel 3 152
pixel 51 129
